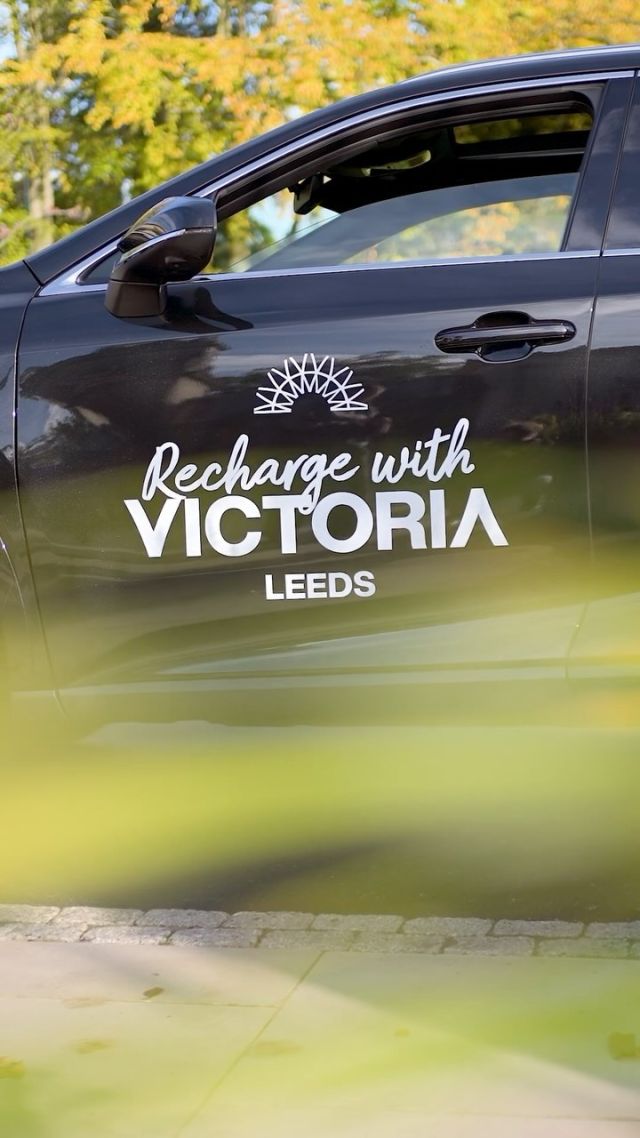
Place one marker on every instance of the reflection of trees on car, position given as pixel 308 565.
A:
pixel 494 188
pixel 239 237
pixel 533 226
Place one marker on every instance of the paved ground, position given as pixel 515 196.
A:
pixel 202 1023
pixel 293 930
pixel 112 1040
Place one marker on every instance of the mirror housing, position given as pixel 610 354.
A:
pixel 172 241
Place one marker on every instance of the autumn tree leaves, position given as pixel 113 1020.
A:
pixel 102 99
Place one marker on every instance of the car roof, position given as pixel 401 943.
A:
pixel 545 63
pixel 61 256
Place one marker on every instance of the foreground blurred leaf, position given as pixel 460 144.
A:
pixel 528 811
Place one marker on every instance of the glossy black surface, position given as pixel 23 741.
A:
pixel 623 229
pixel 594 198
pixel 23 658
pixel 173 241
pixel 239 616
pixel 92 417
pixel 609 642
pixel 607 646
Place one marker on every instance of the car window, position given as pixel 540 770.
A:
pixel 488 187
pixel 492 188
pixel 527 215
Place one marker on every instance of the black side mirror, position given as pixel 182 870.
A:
pixel 172 241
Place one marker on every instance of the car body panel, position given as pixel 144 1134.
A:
pixel 197 631
pixel 607 649
pixel 197 387
pixel 23 655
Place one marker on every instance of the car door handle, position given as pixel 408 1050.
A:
pixel 504 330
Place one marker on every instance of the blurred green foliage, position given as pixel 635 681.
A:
pixel 526 821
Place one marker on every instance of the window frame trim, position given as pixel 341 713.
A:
pixel 70 282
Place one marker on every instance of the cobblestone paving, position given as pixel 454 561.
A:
pixel 382 933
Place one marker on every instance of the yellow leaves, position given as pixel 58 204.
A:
pixel 475 29
pixel 132 92
pixel 339 49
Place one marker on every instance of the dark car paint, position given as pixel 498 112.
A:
pixel 96 398
pixel 607 645
pixel 197 614
pixel 22 648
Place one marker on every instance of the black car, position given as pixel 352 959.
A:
pixel 344 423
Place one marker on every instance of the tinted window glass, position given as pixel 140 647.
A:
pixel 488 188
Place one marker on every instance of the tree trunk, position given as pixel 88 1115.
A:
pixel 40 191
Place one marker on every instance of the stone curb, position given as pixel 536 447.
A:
pixel 369 932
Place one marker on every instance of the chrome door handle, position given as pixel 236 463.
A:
pixel 504 329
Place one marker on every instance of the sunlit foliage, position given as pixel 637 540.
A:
pixel 102 99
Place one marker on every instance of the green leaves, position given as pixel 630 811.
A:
pixel 101 99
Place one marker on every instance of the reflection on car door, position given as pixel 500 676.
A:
pixel 144 591
pixel 606 648
pixel 285 486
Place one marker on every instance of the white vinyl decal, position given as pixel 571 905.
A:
pixel 298 497
pixel 310 377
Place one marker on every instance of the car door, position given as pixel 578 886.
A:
pixel 606 650
pixel 304 486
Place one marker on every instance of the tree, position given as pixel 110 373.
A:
pixel 31 122
pixel 100 99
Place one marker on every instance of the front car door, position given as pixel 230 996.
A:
pixel 351 468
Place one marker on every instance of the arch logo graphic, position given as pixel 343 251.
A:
pixel 309 377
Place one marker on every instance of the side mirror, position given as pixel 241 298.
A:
pixel 172 241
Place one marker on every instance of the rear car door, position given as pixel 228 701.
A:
pixel 355 472
pixel 606 653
